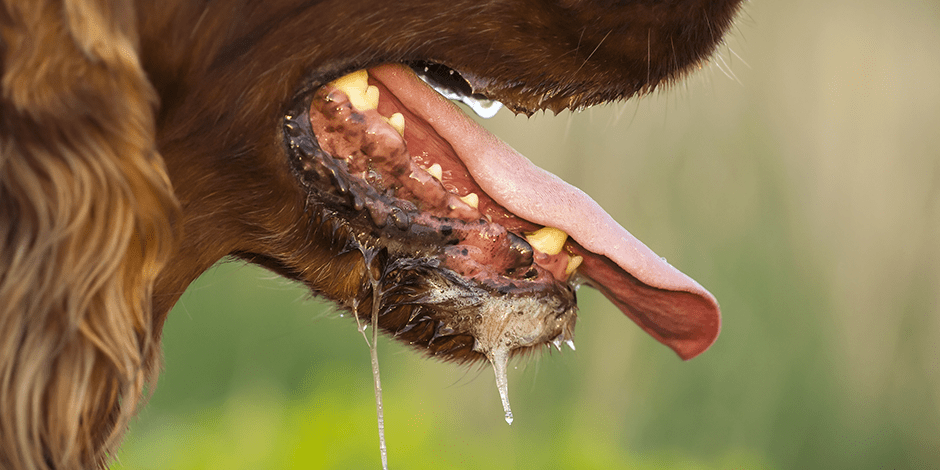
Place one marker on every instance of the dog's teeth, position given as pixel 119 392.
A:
pixel 356 86
pixel 372 97
pixel 397 121
pixel 471 200
pixel 358 79
pixel 573 263
pixel 548 240
pixel 436 171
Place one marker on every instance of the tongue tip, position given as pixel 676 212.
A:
pixel 665 303
pixel 708 327
pixel 700 317
pixel 687 322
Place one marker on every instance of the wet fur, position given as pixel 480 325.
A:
pixel 140 143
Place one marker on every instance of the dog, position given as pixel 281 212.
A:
pixel 143 141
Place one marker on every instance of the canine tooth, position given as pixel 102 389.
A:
pixel 397 121
pixel 358 100
pixel 356 86
pixel 573 263
pixel 358 80
pixel 471 200
pixel 548 240
pixel 436 171
pixel 372 97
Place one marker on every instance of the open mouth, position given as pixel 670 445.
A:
pixel 476 251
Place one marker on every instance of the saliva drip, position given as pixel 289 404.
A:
pixel 373 350
pixel 499 358
pixel 483 107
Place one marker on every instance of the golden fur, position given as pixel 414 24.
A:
pixel 85 227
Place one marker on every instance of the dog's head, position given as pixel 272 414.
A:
pixel 465 245
pixel 299 135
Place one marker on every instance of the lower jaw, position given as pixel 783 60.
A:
pixel 440 292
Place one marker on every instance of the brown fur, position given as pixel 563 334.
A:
pixel 104 103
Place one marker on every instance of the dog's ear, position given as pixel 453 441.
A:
pixel 86 223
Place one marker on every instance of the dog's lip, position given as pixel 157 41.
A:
pixel 454 86
pixel 667 304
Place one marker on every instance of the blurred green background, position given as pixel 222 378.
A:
pixel 797 177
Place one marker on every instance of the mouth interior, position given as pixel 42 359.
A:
pixel 384 143
pixel 426 164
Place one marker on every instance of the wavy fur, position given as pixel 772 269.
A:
pixel 85 226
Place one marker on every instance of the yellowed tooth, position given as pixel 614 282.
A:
pixel 436 171
pixel 573 263
pixel 356 86
pixel 355 80
pixel 471 200
pixel 548 240
pixel 371 96
pixel 397 121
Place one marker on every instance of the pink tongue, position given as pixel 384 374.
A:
pixel 666 303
